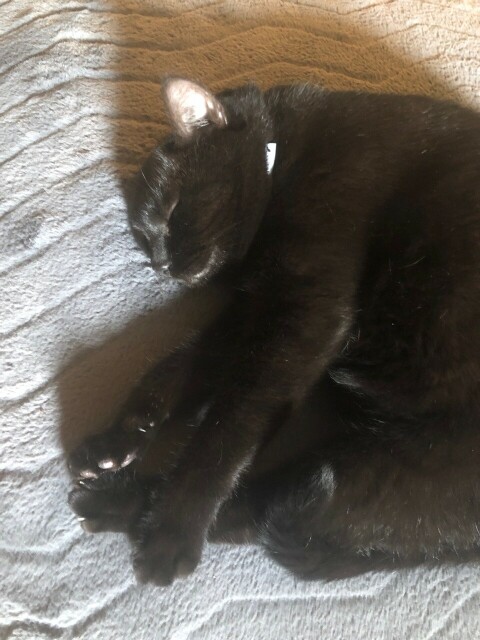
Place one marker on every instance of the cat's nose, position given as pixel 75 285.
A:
pixel 160 257
pixel 165 268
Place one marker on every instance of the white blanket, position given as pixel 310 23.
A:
pixel 81 318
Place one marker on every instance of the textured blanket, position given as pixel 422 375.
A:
pixel 81 318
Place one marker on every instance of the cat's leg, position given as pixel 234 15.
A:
pixel 270 512
pixel 267 369
pixel 309 426
pixel 114 501
pixel 379 502
pixel 147 411
pixel 177 387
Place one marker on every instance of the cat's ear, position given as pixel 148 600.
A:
pixel 190 106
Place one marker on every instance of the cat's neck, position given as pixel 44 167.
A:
pixel 292 110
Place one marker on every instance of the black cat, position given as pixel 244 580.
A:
pixel 332 411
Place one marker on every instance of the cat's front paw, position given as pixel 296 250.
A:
pixel 167 552
pixel 109 451
pixel 112 502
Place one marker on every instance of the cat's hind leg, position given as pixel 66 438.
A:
pixel 270 511
pixel 380 501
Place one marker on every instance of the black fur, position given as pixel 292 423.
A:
pixel 331 412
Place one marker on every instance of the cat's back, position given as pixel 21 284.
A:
pixel 359 152
pixel 419 290
pixel 395 182
pixel 314 115
pixel 367 141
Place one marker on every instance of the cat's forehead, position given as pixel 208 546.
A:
pixel 171 158
pixel 202 157
pixel 165 158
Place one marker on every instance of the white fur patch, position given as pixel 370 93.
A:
pixel 271 152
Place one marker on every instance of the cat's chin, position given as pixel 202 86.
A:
pixel 192 282
pixel 202 276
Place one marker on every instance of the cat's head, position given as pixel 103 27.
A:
pixel 200 196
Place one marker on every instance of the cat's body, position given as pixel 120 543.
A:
pixel 354 275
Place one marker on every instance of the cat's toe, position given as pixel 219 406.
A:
pixel 106 452
pixel 166 555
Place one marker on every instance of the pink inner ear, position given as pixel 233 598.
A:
pixel 191 106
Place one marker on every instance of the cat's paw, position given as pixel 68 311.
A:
pixel 166 553
pixel 112 502
pixel 109 451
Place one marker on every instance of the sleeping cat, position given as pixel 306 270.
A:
pixel 331 412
